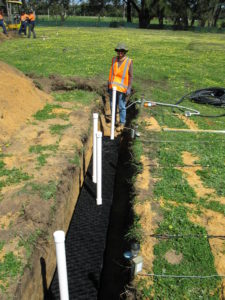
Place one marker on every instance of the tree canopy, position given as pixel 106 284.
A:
pixel 182 13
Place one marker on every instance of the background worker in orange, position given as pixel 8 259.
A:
pixel 2 22
pixel 23 26
pixel 121 77
pixel 31 24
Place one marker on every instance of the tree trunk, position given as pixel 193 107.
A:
pixel 62 16
pixel 129 19
pixel 216 16
pixel 161 17
pixel 185 21
pixel 24 4
pixel 202 23
pixel 192 21
pixel 144 18
pixel 161 21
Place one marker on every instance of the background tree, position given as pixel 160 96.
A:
pixel 61 8
pixel 145 10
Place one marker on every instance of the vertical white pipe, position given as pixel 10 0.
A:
pixel 95 129
pixel 59 237
pixel 113 113
pixel 99 168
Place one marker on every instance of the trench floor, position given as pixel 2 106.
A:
pixel 87 234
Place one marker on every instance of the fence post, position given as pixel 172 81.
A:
pixel 113 113
pixel 59 237
pixel 99 168
pixel 95 129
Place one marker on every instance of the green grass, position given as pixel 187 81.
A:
pixel 168 65
pixel 58 129
pixel 46 191
pixel 44 152
pixel 11 176
pixel 197 260
pixel 76 97
pixel 40 148
pixel 213 205
pixel 137 151
pixel 29 243
pixel 47 113
pixel 1 245
pixel 85 21
pixel 208 147
pixel 171 185
pixel 10 267
pixel 76 159
pixel 135 232
pixel 162 55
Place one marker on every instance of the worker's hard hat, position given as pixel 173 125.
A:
pixel 121 46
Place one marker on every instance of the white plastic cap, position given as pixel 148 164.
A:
pixel 59 236
pixel 95 115
pixel 99 134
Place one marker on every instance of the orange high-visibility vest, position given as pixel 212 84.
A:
pixel 118 77
pixel 23 17
pixel 31 17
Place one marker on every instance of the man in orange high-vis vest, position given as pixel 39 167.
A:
pixel 121 77
pixel 31 24
pixel 23 26
pixel 2 22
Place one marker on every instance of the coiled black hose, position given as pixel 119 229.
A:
pixel 211 96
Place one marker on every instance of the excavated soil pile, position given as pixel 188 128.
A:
pixel 19 99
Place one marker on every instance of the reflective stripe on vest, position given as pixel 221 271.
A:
pixel 121 86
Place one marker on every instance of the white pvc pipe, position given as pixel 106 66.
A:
pixel 95 129
pixel 99 167
pixel 59 237
pixel 113 113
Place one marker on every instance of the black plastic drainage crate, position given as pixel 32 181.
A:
pixel 86 237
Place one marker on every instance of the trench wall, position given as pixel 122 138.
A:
pixel 36 279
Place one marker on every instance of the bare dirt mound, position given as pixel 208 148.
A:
pixel 19 99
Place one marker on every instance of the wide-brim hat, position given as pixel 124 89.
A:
pixel 121 46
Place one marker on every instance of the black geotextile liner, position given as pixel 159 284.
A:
pixel 87 234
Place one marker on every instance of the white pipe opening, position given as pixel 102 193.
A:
pixel 95 129
pixel 99 167
pixel 59 237
pixel 113 113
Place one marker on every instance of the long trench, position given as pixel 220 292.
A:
pixel 95 239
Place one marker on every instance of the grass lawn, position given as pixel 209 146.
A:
pixel 167 65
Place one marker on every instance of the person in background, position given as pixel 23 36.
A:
pixel 121 77
pixel 23 26
pixel 2 23
pixel 31 23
